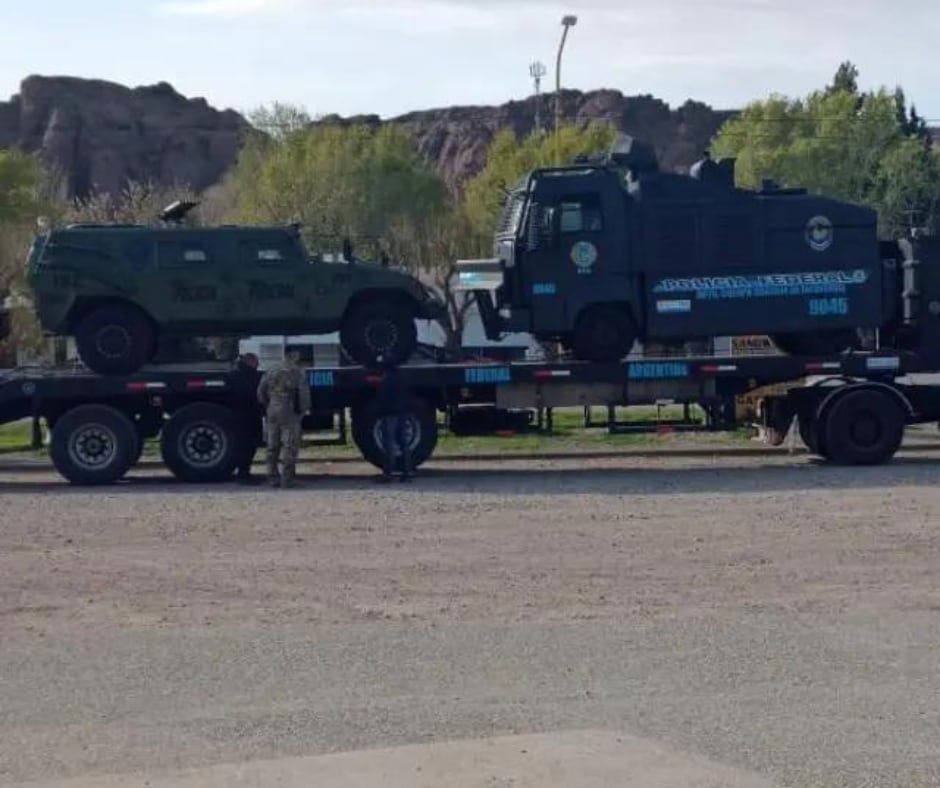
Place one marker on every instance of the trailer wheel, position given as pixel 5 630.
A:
pixel 420 431
pixel 862 427
pixel 200 443
pixel 93 444
pixel 604 334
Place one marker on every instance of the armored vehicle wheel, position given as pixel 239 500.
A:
pixel 380 327
pixel 200 443
pixel 93 444
pixel 115 339
pixel 824 343
pixel 420 431
pixel 603 333
pixel 863 427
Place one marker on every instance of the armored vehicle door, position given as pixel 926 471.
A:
pixel 193 291
pixel 575 250
pixel 281 291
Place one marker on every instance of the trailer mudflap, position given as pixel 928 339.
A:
pixel 776 418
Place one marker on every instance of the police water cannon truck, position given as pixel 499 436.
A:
pixel 606 251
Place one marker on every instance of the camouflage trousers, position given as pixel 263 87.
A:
pixel 283 448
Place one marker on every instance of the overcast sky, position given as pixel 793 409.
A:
pixel 391 56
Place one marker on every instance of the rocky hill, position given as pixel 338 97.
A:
pixel 100 135
pixel 456 139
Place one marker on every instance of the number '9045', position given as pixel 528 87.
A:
pixel 823 307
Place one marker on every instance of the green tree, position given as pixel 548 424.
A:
pixel 337 181
pixel 509 159
pixel 430 246
pixel 20 205
pixel 845 79
pixel 840 143
pixel 279 120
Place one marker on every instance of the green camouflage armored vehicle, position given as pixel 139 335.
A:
pixel 118 289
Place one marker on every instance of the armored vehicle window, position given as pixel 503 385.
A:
pixel 268 253
pixel 581 214
pixel 173 254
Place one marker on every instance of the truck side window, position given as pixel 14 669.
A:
pixel 581 214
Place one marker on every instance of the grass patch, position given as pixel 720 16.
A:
pixel 16 436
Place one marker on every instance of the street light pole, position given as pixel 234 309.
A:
pixel 567 22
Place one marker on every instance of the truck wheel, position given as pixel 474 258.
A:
pixel 114 339
pixel 825 343
pixel 380 327
pixel 93 444
pixel 420 431
pixel 604 333
pixel 863 427
pixel 200 443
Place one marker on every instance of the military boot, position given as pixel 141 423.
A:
pixel 288 475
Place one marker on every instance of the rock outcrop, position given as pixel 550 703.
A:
pixel 456 139
pixel 98 135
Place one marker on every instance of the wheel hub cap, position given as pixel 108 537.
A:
pixel 203 445
pixel 93 446
pixel 381 335
pixel 113 341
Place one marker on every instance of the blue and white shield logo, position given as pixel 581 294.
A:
pixel 584 255
pixel 819 233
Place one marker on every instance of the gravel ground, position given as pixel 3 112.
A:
pixel 765 613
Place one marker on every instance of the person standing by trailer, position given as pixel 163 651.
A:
pixel 253 430
pixel 392 401
pixel 285 396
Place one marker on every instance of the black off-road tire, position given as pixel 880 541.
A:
pixel 93 445
pixel 863 427
pixel 603 334
pixel 201 443
pixel 115 339
pixel 380 327
pixel 422 432
pixel 823 343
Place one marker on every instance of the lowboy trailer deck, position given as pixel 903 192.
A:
pixel 851 409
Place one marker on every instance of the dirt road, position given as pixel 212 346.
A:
pixel 765 614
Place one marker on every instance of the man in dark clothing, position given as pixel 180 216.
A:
pixel 392 402
pixel 253 432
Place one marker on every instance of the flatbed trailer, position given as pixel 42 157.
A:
pixel 851 409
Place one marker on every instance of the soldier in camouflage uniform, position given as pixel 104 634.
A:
pixel 285 395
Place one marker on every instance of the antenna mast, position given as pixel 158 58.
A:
pixel 537 70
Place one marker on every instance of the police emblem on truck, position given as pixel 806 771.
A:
pixel 819 233
pixel 584 255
